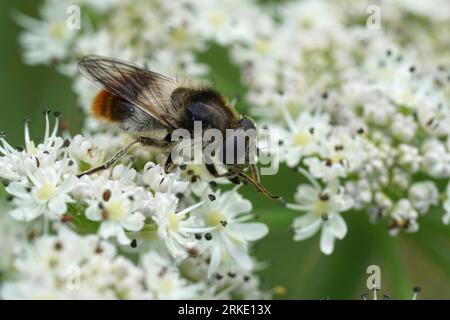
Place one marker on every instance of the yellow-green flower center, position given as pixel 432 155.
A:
pixel 215 218
pixel 57 30
pixel 174 221
pixel 116 210
pixel 217 19
pixel 302 138
pixel 322 207
pixel 166 286
pixel 46 192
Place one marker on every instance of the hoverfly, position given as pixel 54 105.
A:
pixel 150 106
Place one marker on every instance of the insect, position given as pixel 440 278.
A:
pixel 150 106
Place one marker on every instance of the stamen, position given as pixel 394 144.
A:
pixel 211 197
pixel 310 178
pixel 55 129
pixel 47 125
pixel 208 236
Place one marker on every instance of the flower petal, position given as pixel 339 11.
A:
pixel 134 222
pixel 337 225
pixel 326 241
pixel 250 231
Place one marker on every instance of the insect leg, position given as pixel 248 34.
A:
pixel 122 152
pixel 232 177
pixel 254 172
pixel 111 161
pixel 260 188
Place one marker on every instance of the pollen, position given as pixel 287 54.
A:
pixel 215 218
pixel 116 210
pixel 217 19
pixel 174 221
pixel 302 138
pixel 321 207
pixel 46 192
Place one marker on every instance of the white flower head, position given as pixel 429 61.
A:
pixel 118 208
pixel 322 208
pixel 403 217
pixel 164 281
pixel 226 214
pixel 176 229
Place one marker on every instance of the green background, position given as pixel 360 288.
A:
pixel 420 259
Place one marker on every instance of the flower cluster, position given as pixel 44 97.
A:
pixel 360 107
pixel 361 113
pixel 146 233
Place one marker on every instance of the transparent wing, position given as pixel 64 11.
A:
pixel 147 90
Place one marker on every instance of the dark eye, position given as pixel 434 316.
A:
pixel 246 124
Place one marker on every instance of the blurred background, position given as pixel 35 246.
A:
pixel 298 270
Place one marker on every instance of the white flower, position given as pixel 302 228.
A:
pixel 404 216
pixel 46 191
pixel 176 229
pixel 82 149
pixel 69 266
pixel 436 158
pixel 47 40
pixel 446 216
pixel 17 163
pixel 164 280
pixel 303 137
pixel 322 209
pixel 227 215
pixel 157 180
pixel 423 195
pixel 117 207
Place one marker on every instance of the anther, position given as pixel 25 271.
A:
pixel 106 195
pixel 197 236
pixel 211 197
pixel 179 195
pixel 133 243
pixel 58 246
pixel 46 111
pixel 57 114
pixel 66 143
pixel 324 197
pixel 208 236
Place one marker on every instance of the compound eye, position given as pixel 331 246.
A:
pixel 246 124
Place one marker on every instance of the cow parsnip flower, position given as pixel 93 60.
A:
pixel 362 113
pixel 226 215
pixel 322 207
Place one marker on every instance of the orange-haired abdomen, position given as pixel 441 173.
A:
pixel 107 106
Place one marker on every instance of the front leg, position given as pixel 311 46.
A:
pixel 122 152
